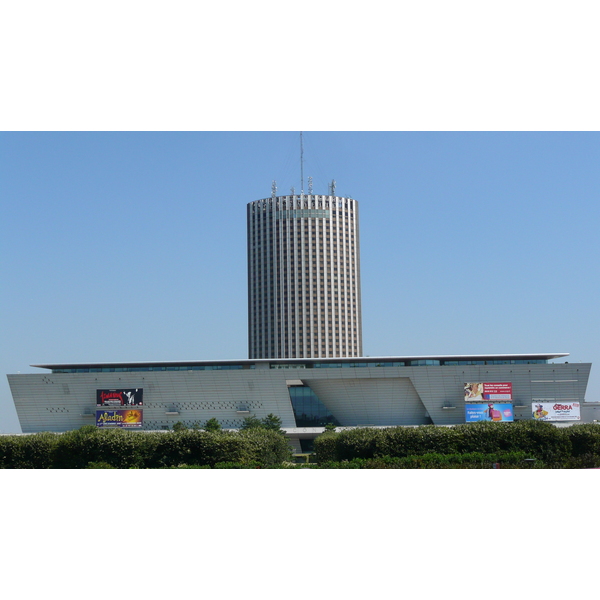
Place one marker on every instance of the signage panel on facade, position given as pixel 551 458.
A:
pixel 563 410
pixel 126 419
pixel 489 412
pixel 129 397
pixel 487 391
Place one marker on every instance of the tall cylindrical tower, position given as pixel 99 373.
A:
pixel 304 277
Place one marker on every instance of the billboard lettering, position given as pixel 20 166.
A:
pixel 481 391
pixel 556 411
pixel 127 419
pixel 489 412
pixel 129 397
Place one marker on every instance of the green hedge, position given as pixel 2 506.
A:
pixel 28 451
pixel 470 460
pixel 585 439
pixel 118 448
pixel 551 445
pixel 121 449
pixel 325 447
pixel 577 446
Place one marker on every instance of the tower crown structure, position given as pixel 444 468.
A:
pixel 304 277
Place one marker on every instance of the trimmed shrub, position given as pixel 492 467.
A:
pixel 122 449
pixel 357 443
pixel 325 447
pixel 472 460
pixel 193 448
pixel 209 448
pixel 75 449
pixel 486 437
pixel 409 441
pixel 236 465
pixel 583 461
pixel 585 439
pixel 472 445
pixel 27 451
pixel 168 449
pixel 189 467
pixel 542 441
pixel 355 463
pixel 269 447
pixel 90 447
pixel 119 448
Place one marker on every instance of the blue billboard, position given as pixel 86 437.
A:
pixel 489 412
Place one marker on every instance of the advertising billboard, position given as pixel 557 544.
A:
pixel 487 391
pixel 129 397
pixel 127 419
pixel 556 411
pixel 489 412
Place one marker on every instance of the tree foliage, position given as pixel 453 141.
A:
pixel 251 422
pixel 212 425
pixel 271 422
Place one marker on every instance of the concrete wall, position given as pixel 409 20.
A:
pixel 355 395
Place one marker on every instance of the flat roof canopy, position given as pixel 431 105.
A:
pixel 304 361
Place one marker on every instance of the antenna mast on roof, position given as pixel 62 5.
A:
pixel 273 189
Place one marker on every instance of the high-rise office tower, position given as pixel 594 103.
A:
pixel 304 277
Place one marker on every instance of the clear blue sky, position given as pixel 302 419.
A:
pixel 131 246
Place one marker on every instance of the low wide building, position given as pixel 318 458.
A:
pixel 305 394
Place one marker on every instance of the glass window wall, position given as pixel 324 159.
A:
pixel 309 411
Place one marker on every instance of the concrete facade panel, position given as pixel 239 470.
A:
pixel 370 401
pixel 365 395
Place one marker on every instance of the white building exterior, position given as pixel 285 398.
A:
pixel 305 394
pixel 304 277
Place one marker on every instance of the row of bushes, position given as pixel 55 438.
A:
pixel 473 445
pixel 550 445
pixel 116 448
pixel 471 460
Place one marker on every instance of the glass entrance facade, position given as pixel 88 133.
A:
pixel 309 411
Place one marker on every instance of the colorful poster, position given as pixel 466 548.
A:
pixel 489 412
pixel 130 397
pixel 127 419
pixel 556 411
pixel 487 391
